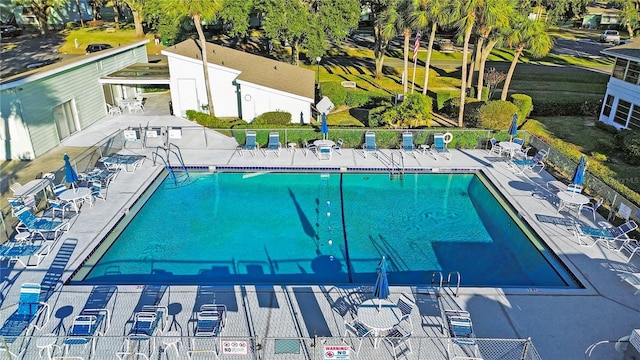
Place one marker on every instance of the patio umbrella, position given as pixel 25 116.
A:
pixel 69 173
pixel 578 175
pixel 325 129
pixel 513 129
pixel 381 290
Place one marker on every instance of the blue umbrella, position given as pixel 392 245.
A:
pixel 381 290
pixel 513 129
pixel 325 129
pixel 578 175
pixel 69 173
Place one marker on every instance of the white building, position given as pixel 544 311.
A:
pixel 242 85
pixel 621 106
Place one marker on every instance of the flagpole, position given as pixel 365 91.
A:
pixel 413 81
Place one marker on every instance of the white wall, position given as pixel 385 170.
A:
pixel 619 90
pixel 257 100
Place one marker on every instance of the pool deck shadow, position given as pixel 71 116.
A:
pixel 562 323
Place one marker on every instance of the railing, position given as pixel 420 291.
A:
pixel 178 345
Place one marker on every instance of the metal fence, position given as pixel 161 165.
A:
pixel 175 345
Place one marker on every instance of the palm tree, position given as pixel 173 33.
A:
pixel 400 21
pixel 465 12
pixel 198 10
pixel 430 12
pixel 530 35
pixel 630 15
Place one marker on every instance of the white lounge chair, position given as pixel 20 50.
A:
pixel 148 324
pixel 462 337
pixel 439 147
pixel 250 144
pixel 606 236
pixel 210 322
pixel 39 225
pixel 519 166
pixel 369 145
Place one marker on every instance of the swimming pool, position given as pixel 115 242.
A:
pixel 324 228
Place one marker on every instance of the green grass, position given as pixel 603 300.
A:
pixel 99 35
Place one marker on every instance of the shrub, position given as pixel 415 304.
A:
pixel 273 118
pixel 631 146
pixel 591 107
pixel 213 122
pixel 414 111
pixel 442 96
pixel 483 97
pixel 524 104
pixel 375 116
pixel 496 115
pixel 356 97
pixel 334 91
pixel 599 156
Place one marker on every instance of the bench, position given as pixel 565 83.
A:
pixel 349 84
pixel 110 30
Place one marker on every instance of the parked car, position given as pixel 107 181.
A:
pixel 9 31
pixel 610 36
pixel 443 45
pixel 97 47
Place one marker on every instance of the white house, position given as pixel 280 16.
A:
pixel 621 106
pixel 242 85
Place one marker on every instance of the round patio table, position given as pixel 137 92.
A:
pixel 379 316
pixel 75 196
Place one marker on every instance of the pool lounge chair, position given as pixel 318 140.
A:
pixel 606 236
pixel 210 321
pixel 632 279
pixel 369 145
pixel 148 324
pixel 128 163
pixel 408 147
pixel 632 247
pixel 439 147
pixel 24 253
pixel 461 335
pixel 250 144
pixel 273 144
pixel 31 314
pixel 39 225
pixel 519 166
pixel 85 330
pixel 338 146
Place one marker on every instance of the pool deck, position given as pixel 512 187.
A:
pixel 562 323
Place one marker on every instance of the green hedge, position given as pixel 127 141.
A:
pixel 444 95
pixel 524 104
pixel 211 121
pixel 496 115
pixel 273 118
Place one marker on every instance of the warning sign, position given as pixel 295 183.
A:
pixel 336 353
pixel 235 347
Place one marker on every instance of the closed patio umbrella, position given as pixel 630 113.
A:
pixel 381 290
pixel 578 175
pixel 513 129
pixel 70 174
pixel 325 129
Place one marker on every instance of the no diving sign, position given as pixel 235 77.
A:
pixel 235 347
pixel 336 353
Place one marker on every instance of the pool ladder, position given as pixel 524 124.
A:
pixel 167 162
pixel 396 170
pixel 438 278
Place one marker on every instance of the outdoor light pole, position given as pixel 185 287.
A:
pixel 318 71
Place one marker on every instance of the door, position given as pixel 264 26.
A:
pixel 188 96
pixel 64 116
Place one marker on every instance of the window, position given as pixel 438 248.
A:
pixel 64 116
pixel 634 120
pixel 633 73
pixel 606 108
pixel 622 113
pixel 619 68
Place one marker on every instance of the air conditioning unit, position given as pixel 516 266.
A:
pixel 633 348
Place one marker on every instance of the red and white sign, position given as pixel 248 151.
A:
pixel 336 352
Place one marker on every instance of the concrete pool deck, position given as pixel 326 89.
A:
pixel 562 323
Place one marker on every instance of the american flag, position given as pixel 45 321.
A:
pixel 416 46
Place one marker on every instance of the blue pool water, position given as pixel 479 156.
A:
pixel 253 228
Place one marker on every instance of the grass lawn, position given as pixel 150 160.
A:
pixel 99 35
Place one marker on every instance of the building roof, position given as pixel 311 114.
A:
pixel 254 69
pixel 630 50
pixel 64 65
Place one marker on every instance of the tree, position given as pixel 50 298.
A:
pixel 41 9
pixel 526 34
pixel 137 9
pixel 197 10
pixel 431 12
pixel 308 23
pixel 494 78
pixel 380 40
pixel 630 16
pixel 96 5
pixel 399 20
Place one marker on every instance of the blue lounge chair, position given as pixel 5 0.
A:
pixel 129 163
pixel 605 235
pixel 439 147
pixel 408 146
pixel 31 314
pixel 370 144
pixel 274 143
pixel 147 324
pixel 16 252
pixel 86 328
pixel 461 333
pixel 210 321
pixel 338 146
pixel 250 144
pixel 519 166
pixel 39 225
